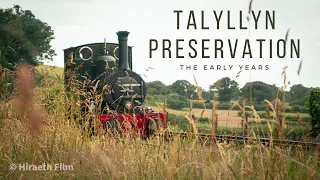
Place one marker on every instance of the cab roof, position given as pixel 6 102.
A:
pixel 90 44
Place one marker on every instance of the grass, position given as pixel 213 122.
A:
pixel 52 71
pixel 230 119
pixel 294 132
pixel 34 130
pixel 226 118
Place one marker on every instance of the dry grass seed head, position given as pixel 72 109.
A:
pixel 31 113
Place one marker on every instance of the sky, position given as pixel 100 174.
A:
pixel 77 22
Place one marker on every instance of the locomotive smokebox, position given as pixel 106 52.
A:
pixel 123 50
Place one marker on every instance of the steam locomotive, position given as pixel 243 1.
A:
pixel 108 66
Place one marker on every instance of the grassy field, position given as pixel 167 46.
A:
pixel 34 130
pixel 225 117
pixel 52 71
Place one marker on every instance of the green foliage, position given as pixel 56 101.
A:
pixel 179 121
pixel 176 101
pixel 183 88
pixel 314 110
pixel 297 95
pixel 290 124
pixel 157 88
pixel 39 77
pixel 300 109
pixel 197 104
pixel 260 91
pixel 204 120
pixel 50 95
pixel 6 83
pixel 152 91
pixel 223 105
pixel 206 95
pixel 23 37
pixel 288 116
pixel 154 99
pixel 228 89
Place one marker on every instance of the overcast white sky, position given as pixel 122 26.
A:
pixel 77 22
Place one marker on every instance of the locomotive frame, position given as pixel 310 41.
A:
pixel 110 64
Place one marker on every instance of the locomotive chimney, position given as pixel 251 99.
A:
pixel 123 50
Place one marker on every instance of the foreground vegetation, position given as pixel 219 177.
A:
pixel 34 130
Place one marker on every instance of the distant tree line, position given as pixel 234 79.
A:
pixel 181 92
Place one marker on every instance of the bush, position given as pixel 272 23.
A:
pixel 294 117
pixel 260 107
pixel 151 100
pixel 175 101
pixel 296 109
pixel 207 101
pixel 224 106
pixel 248 113
pixel 314 111
pixel 197 104
pixel 208 105
pixel 152 91
pixel 221 106
pixel 179 121
pixel 203 120
pixel 263 115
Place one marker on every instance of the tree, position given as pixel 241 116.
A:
pixel 314 111
pixel 176 101
pixel 152 91
pixel 183 87
pixel 23 38
pixel 260 91
pixel 228 89
pixel 157 88
pixel 297 95
pixel 206 95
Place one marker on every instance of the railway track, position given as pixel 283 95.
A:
pixel 209 138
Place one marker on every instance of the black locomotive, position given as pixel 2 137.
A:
pixel 107 68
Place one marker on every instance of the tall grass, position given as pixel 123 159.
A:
pixel 34 130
